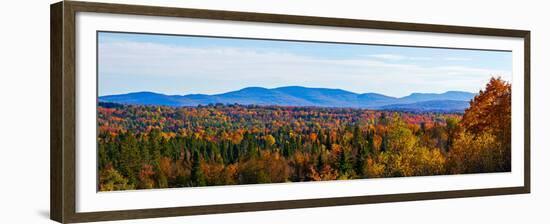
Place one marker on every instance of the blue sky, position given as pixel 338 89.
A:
pixel 189 65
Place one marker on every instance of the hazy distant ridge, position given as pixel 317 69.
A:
pixel 450 101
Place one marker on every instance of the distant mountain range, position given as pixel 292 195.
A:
pixel 451 101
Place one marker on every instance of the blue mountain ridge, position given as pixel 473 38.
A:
pixel 451 101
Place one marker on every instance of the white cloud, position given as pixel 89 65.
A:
pixel 397 57
pixel 456 59
pixel 216 70
pixel 420 58
pixel 388 56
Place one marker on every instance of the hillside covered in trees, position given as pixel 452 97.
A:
pixel 145 146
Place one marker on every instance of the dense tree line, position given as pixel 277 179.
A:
pixel 141 147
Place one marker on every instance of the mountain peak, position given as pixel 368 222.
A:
pixel 253 88
pixel 292 87
pixel 455 91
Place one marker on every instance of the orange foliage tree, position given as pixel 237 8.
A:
pixel 484 143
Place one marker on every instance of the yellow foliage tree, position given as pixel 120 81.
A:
pixel 112 180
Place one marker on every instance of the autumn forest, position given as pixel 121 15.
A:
pixel 150 146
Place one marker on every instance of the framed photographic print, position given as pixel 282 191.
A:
pixel 160 111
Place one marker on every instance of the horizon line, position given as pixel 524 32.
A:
pixel 160 93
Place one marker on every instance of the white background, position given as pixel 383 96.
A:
pixel 24 92
pixel 88 200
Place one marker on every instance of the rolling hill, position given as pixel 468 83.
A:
pixel 451 101
pixel 454 106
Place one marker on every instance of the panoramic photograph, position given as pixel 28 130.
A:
pixel 177 111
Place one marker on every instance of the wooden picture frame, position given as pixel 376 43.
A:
pixel 63 118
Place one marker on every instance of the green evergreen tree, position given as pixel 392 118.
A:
pixel 102 159
pixel 197 177
pixel 130 163
pixel 321 161
pixel 370 142
pixel 360 161
pixel 357 139
pixel 344 164
pixel 384 144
